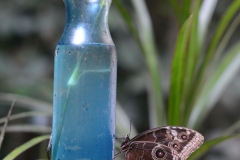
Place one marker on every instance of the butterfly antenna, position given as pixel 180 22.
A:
pixel 116 155
pixel 122 138
pixel 130 128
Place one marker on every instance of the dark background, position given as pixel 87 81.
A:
pixel 29 32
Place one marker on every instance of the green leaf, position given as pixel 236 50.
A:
pixel 157 109
pixel 26 102
pixel 177 74
pixel 192 56
pixel 182 9
pixel 176 9
pixel 214 87
pixel 224 41
pixel 208 145
pixel 222 26
pixel 28 128
pixel 147 45
pixel 6 124
pixel 232 128
pixel 19 150
pixel 205 16
pixel 25 115
pixel 127 17
pixel 186 8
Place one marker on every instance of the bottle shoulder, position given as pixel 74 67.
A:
pixel 86 44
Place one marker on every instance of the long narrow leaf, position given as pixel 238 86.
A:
pixel 201 18
pixel 26 102
pixel 215 86
pixel 199 79
pixel 157 111
pixel 186 10
pixel 232 128
pixel 195 49
pixel 26 115
pixel 6 124
pixel 28 128
pixel 193 52
pixel 176 9
pixel 127 17
pixel 16 152
pixel 224 41
pixel 146 43
pixel 207 145
pixel 205 16
pixel 232 10
pixel 177 74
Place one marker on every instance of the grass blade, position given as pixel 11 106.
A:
pixel 207 145
pixel 205 15
pixel 182 10
pixel 177 74
pixel 224 41
pixel 26 115
pixel 232 128
pixel 16 152
pixel 199 79
pixel 126 16
pixel 28 128
pixel 6 124
pixel 26 102
pixel 192 56
pixel 146 44
pixel 145 30
pixel 225 21
pixel 176 9
pixel 186 10
pixel 212 89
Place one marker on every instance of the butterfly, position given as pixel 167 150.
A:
pixel 162 143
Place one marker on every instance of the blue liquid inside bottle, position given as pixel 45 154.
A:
pixel 84 85
pixel 85 101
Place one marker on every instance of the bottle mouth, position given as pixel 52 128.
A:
pixel 92 1
pixel 102 2
pixel 86 21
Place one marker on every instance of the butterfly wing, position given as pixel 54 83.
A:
pixel 141 150
pixel 182 141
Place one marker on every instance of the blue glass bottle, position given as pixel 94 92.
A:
pixel 84 84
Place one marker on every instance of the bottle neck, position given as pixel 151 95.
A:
pixel 86 22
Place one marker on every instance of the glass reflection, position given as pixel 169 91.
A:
pixel 79 36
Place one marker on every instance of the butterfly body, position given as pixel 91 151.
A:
pixel 163 143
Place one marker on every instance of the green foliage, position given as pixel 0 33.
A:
pixel 42 109
pixel 25 146
pixel 144 37
pixel 177 73
pixel 5 125
pixel 209 144
pixel 193 92
pixel 200 72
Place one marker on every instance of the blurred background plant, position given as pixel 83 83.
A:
pixel 178 64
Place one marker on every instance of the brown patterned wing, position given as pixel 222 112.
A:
pixel 140 150
pixel 182 141
pixel 153 135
